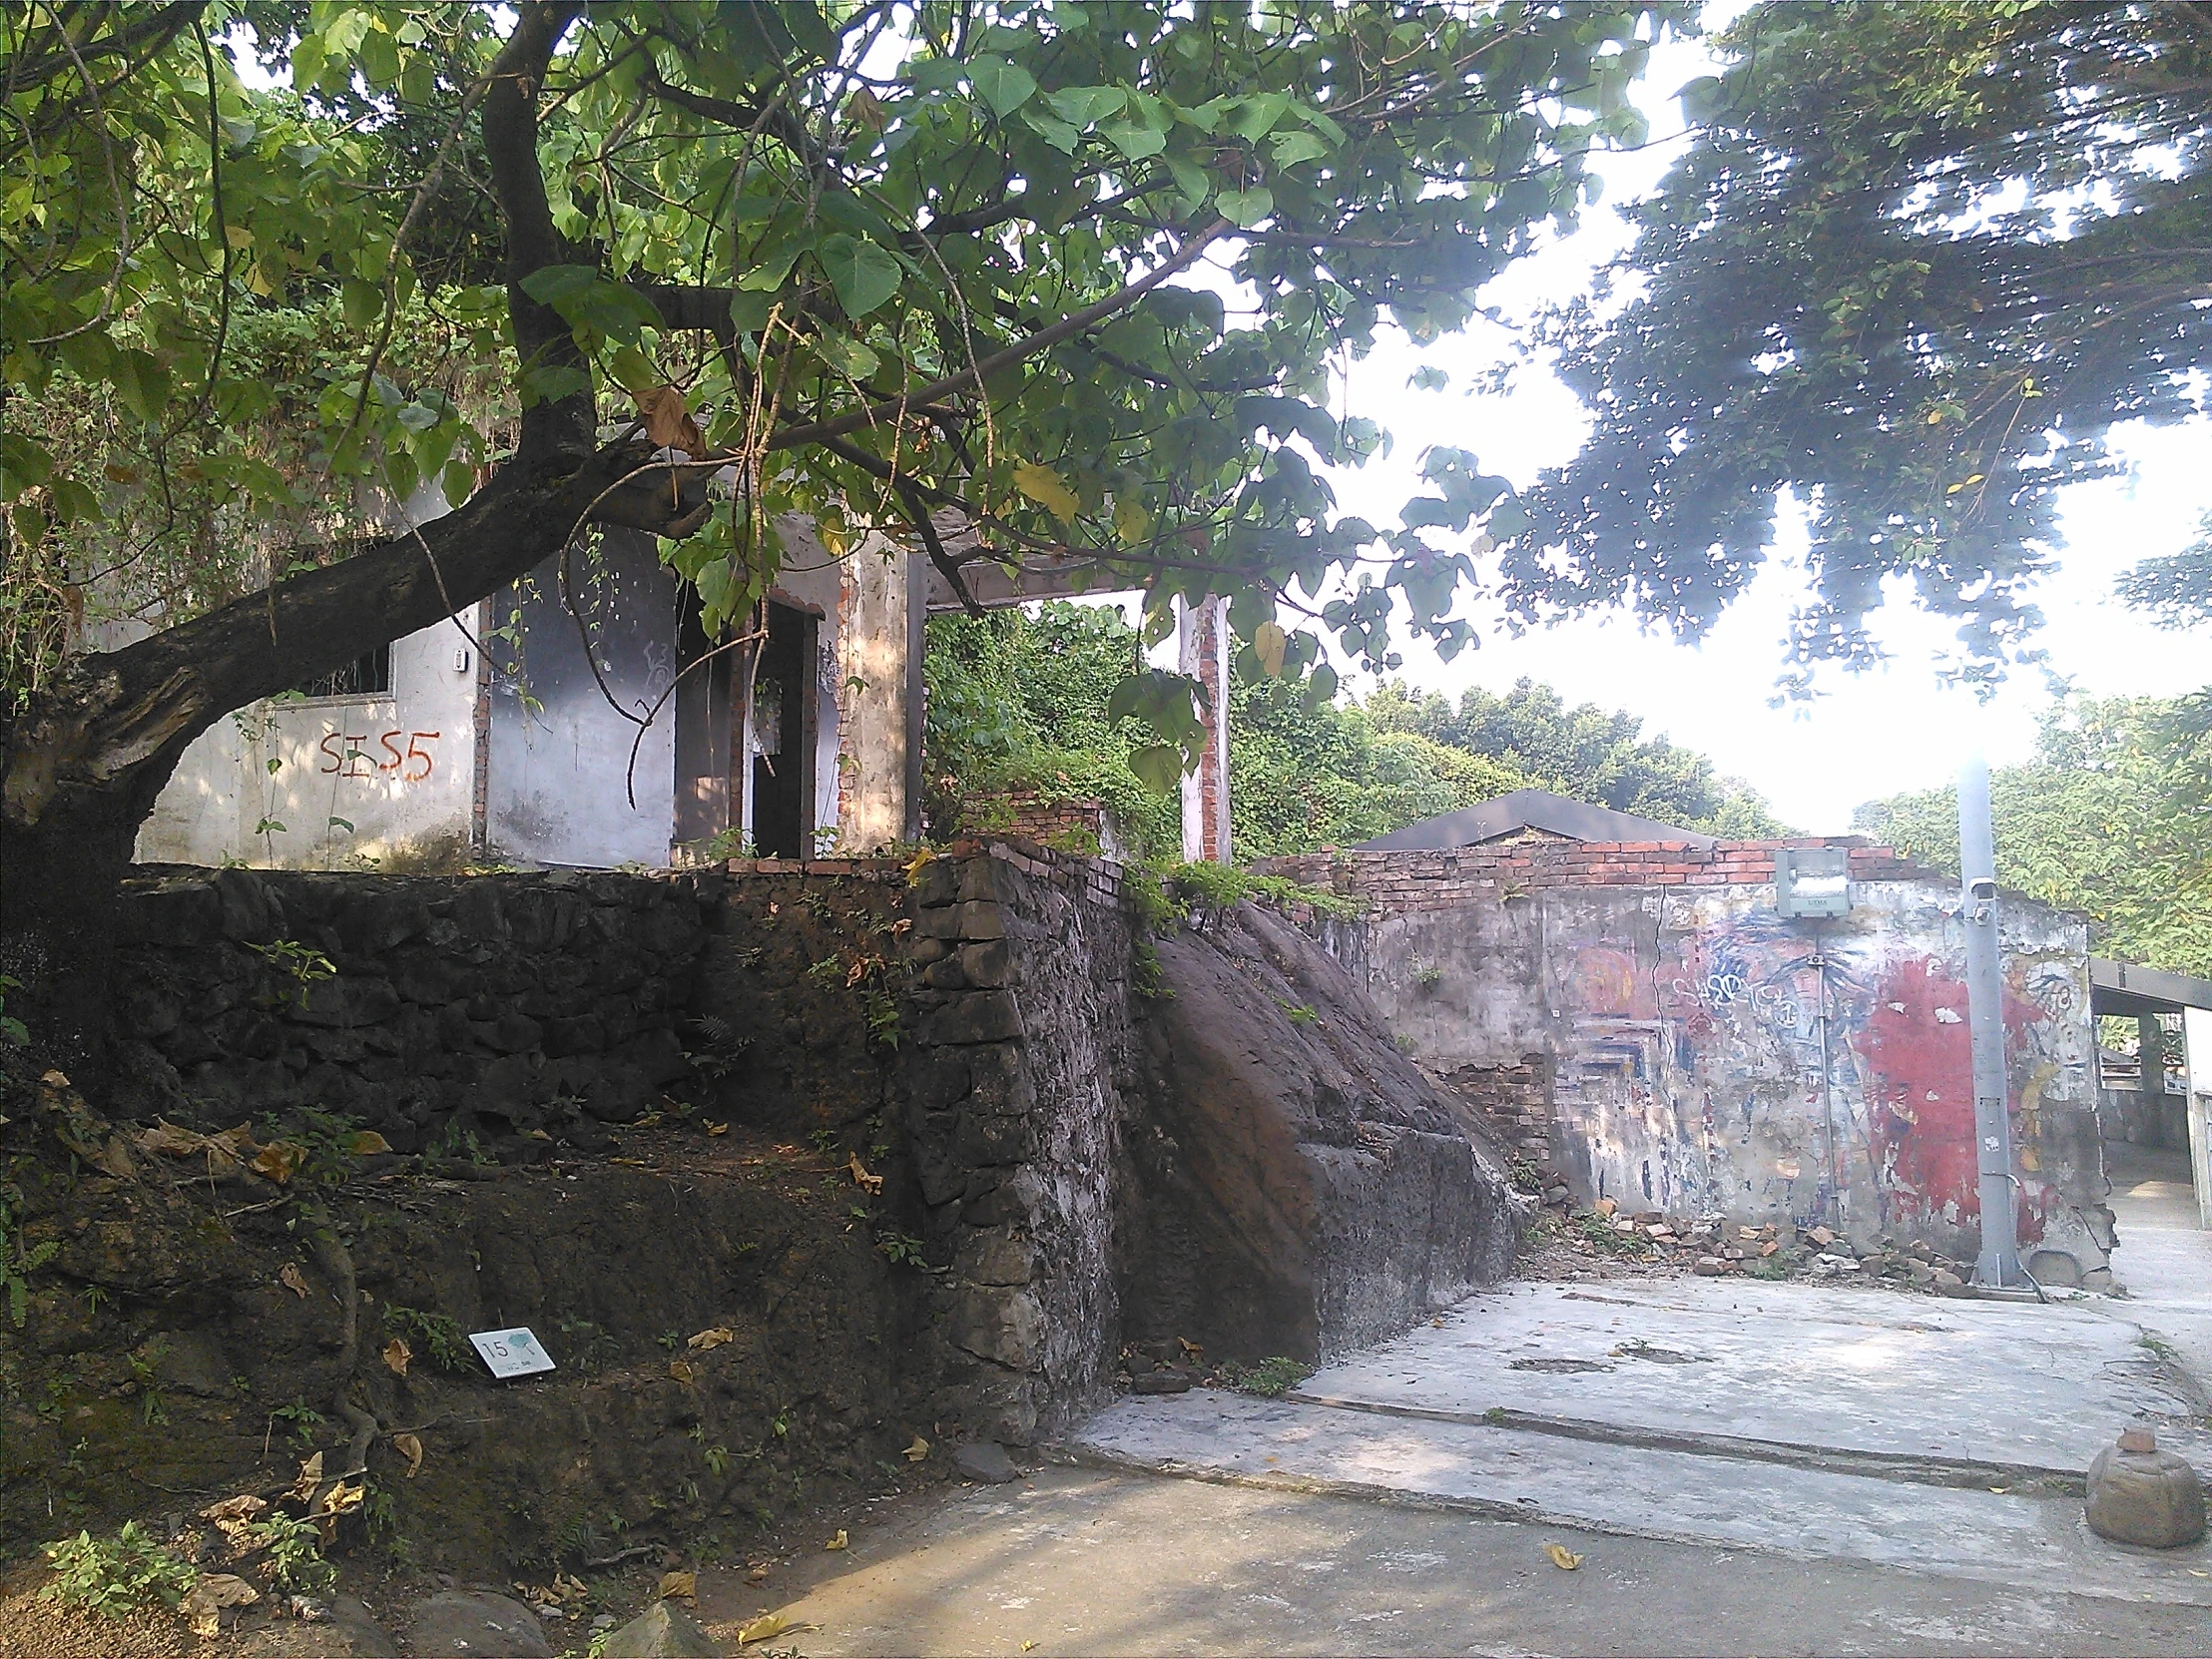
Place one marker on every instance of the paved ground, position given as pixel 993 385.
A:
pixel 1106 1562
pixel 1744 1466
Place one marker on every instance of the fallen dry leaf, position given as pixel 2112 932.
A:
pixel 716 1128
pixel 837 1539
pixel 1562 1558
pixel 767 1625
pixel 396 1355
pixel 409 1446
pixel 1189 1347
pixel 232 1516
pixel 292 1278
pixel 279 1160
pixel 205 1601
pixel 918 1451
pixel 168 1141
pixel 678 1584
pixel 340 1500
pixel 682 1371
pixel 311 1476
pixel 1026 1646
pixel 668 424
pixel 713 1338
pixel 861 1179
pixel 238 1145
pixel 366 1143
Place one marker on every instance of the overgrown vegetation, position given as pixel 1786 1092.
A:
pixel 117 1575
pixel 1271 1379
pixel 2108 817
pixel 1019 703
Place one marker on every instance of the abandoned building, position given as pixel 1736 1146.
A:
pixel 582 719
pixel 1767 1031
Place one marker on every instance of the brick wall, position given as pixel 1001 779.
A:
pixel 1513 1103
pixel 1078 824
pixel 1507 869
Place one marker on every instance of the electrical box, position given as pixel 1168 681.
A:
pixel 1811 881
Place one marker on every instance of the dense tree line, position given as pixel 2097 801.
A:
pixel 2108 817
pixel 1019 702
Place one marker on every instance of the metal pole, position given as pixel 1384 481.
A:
pixel 2000 1261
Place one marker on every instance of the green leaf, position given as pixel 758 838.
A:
pixel 1192 181
pixel 848 355
pixel 23 465
pixel 749 310
pixel 546 384
pixel 1293 147
pixel 1158 766
pixel 458 482
pixel 1133 140
pixel 862 275
pixel 1058 134
pixel 1244 208
pixel 1005 86
pixel 1257 115
pixel 1086 106
pixel 361 301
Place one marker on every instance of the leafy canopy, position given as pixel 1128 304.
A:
pixel 2106 818
pixel 910 266
pixel 1919 260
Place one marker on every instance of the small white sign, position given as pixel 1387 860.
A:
pixel 511 1353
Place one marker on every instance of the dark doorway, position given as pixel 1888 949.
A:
pixel 784 737
pixel 704 701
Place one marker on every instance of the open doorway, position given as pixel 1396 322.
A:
pixel 781 786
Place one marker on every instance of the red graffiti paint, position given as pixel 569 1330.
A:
pixel 1920 1099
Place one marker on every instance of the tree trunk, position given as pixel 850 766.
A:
pixel 81 767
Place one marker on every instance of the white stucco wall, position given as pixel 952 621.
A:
pixel 328 782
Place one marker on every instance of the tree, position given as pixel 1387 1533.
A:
pixel 1919 257
pixel 1020 703
pixel 2092 825
pixel 911 267
pixel 1582 752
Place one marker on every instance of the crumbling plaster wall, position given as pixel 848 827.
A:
pixel 1677 1023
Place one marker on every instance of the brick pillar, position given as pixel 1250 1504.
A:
pixel 1202 640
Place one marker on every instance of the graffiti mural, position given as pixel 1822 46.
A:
pixel 1731 1059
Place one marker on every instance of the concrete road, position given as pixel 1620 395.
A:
pixel 1094 1561
pixel 1741 1467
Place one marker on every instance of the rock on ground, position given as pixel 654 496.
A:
pixel 475 1624
pixel 984 1461
pixel 662 1631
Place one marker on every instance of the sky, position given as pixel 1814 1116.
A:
pixel 1864 735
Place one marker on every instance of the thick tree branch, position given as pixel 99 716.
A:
pixel 550 427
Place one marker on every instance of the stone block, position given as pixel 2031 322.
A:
pixel 987 964
pixel 936 884
pixel 989 1140
pixel 946 974
pixel 976 1017
pixel 979 881
pixel 994 1256
pixel 981 919
pixel 1005 1326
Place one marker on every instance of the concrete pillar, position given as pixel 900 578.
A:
pixel 874 683
pixel 1204 643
